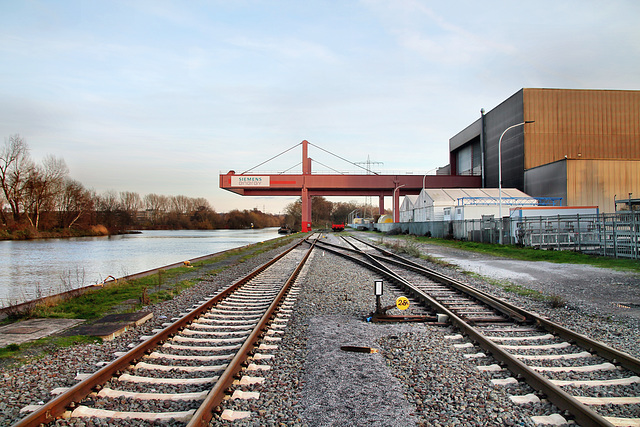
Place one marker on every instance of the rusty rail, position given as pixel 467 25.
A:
pixel 204 414
pixel 584 415
pixel 57 406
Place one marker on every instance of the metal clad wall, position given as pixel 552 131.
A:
pixel 508 113
pixel 547 181
pixel 467 134
pixel 596 182
pixel 581 124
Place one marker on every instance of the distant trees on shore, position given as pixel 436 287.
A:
pixel 40 199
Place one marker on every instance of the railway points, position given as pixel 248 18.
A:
pixel 424 370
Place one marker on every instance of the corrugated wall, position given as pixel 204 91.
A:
pixel 581 124
pixel 508 113
pixel 547 181
pixel 596 182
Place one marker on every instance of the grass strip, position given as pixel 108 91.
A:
pixel 16 354
pixel 161 286
pixel 530 254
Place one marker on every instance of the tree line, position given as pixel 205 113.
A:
pixel 41 199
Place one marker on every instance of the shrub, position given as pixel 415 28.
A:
pixel 99 230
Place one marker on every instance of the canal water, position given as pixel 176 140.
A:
pixel 34 268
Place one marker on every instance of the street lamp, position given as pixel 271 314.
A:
pixel 424 178
pixel 351 216
pixel 395 204
pixel 500 174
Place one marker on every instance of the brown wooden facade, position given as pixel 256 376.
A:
pixel 580 124
pixel 598 182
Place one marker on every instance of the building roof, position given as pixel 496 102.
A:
pixel 410 198
pixel 460 196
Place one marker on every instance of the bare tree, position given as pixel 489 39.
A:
pixel 15 167
pixel 180 204
pixel 157 204
pixel 3 203
pixel 321 210
pixel 109 201
pixel 44 183
pixel 131 203
pixel 201 203
pixel 73 202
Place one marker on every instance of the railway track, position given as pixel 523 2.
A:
pixel 182 372
pixel 594 383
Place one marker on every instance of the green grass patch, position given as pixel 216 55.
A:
pixel 131 295
pixel 554 300
pixel 16 354
pixel 9 351
pixel 411 248
pixel 531 254
pixel 124 296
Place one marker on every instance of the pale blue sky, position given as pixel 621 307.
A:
pixel 160 96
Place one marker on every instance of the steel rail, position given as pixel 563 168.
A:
pixel 57 406
pixel 390 275
pixel 487 299
pixel 624 359
pixel 204 414
pixel 497 305
pixel 583 414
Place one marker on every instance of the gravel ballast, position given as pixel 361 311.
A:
pixel 415 378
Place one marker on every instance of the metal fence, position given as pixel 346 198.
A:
pixel 616 234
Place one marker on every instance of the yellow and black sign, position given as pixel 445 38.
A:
pixel 402 303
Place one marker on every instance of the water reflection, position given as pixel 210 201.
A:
pixel 35 268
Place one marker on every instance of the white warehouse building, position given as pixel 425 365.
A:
pixel 448 204
pixel 407 208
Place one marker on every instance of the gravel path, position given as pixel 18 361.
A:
pixel 416 378
pixel 603 290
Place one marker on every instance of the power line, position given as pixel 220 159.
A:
pixel 342 158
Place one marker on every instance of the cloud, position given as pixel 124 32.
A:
pixel 420 29
pixel 286 49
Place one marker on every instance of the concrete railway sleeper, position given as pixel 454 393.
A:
pixel 182 372
pixel 594 384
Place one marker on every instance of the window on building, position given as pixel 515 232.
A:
pixel 469 159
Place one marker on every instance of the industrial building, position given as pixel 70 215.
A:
pixel 582 146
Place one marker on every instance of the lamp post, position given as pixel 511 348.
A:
pixel 500 174
pixel 424 183
pixel 424 178
pixel 351 216
pixel 395 204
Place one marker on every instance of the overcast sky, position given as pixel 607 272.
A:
pixel 161 96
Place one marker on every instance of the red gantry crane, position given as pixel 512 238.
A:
pixel 308 185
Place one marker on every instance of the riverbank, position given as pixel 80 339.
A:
pixel 132 291
pixel 94 231
pixel 31 234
